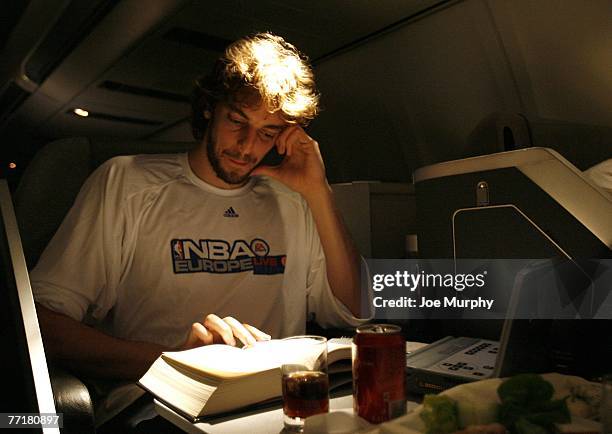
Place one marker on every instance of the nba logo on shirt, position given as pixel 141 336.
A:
pixel 221 256
pixel 177 249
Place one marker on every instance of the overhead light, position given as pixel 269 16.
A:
pixel 81 112
pixel 111 117
pixel 12 165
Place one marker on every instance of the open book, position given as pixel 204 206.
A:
pixel 216 379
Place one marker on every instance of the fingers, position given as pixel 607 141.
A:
pixel 240 331
pixel 199 333
pixel 291 138
pixel 198 336
pixel 229 329
pixel 215 324
pixel 258 334
pixel 281 141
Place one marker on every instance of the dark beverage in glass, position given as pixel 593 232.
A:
pixel 305 393
pixel 304 380
pixel 379 363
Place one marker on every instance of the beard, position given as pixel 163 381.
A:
pixel 228 176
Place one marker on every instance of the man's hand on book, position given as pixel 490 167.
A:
pixel 214 330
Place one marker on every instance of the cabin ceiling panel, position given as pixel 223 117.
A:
pixel 67 124
pixel 164 48
pixel 422 87
pixel 560 54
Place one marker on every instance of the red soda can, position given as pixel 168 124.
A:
pixel 379 363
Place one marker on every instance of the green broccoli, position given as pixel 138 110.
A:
pixel 527 406
pixel 439 414
pixel 525 389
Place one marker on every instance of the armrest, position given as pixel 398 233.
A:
pixel 73 400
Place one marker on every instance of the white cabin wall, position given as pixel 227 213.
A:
pixel 411 97
pixel 561 56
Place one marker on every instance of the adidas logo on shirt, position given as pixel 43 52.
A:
pixel 230 212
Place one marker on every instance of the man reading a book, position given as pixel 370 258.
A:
pixel 167 252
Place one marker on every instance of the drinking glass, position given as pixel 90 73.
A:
pixel 304 380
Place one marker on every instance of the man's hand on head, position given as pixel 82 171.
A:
pixel 302 169
pixel 214 330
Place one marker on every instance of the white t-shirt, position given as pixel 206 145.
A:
pixel 149 248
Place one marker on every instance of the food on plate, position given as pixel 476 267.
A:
pixel 492 428
pixel 527 406
pixel 584 400
pixel 524 404
pixel 523 426
pixel 439 414
pixel 479 412
pixel 526 389
pixel 580 425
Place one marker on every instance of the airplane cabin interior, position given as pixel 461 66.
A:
pixel 449 129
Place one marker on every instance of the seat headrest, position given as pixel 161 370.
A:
pixel 55 175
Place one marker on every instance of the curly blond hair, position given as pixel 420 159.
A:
pixel 266 63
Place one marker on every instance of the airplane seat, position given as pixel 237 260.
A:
pixel 54 177
pixel 582 144
pixel 43 197
pixel 73 400
pixel 537 187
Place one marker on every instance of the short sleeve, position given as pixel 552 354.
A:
pixel 326 309
pixel 79 269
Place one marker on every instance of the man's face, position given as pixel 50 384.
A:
pixel 239 135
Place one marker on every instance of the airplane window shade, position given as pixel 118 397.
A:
pixel 78 19
pixel 509 143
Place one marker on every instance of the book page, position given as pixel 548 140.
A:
pixel 222 360
pixel 228 362
pixel 338 349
